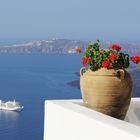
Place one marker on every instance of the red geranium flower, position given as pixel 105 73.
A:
pixel 115 47
pixel 135 59
pixel 85 60
pixel 105 64
pixel 78 50
pixel 113 57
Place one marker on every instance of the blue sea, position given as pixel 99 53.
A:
pixel 32 79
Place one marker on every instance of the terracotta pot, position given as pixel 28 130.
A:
pixel 106 90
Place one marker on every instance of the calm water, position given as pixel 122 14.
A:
pixel 31 79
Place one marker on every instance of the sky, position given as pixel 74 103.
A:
pixel 107 20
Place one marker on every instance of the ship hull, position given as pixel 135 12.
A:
pixel 12 109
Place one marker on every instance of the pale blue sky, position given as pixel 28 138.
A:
pixel 114 20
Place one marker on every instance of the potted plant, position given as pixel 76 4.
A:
pixel 104 82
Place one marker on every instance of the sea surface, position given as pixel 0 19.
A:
pixel 32 79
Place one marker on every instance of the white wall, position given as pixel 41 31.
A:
pixel 69 120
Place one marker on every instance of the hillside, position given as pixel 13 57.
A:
pixel 44 46
pixel 58 46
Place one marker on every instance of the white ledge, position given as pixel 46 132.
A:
pixel 70 120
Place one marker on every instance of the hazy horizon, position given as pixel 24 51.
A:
pixel 24 41
pixel 110 20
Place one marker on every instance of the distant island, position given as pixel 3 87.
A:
pixel 58 46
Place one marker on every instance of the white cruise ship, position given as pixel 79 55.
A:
pixel 10 105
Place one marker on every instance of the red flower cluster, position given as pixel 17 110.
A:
pixel 115 47
pixel 85 60
pixel 135 59
pixel 113 57
pixel 78 50
pixel 106 64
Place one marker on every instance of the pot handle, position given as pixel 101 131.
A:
pixel 82 71
pixel 121 74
